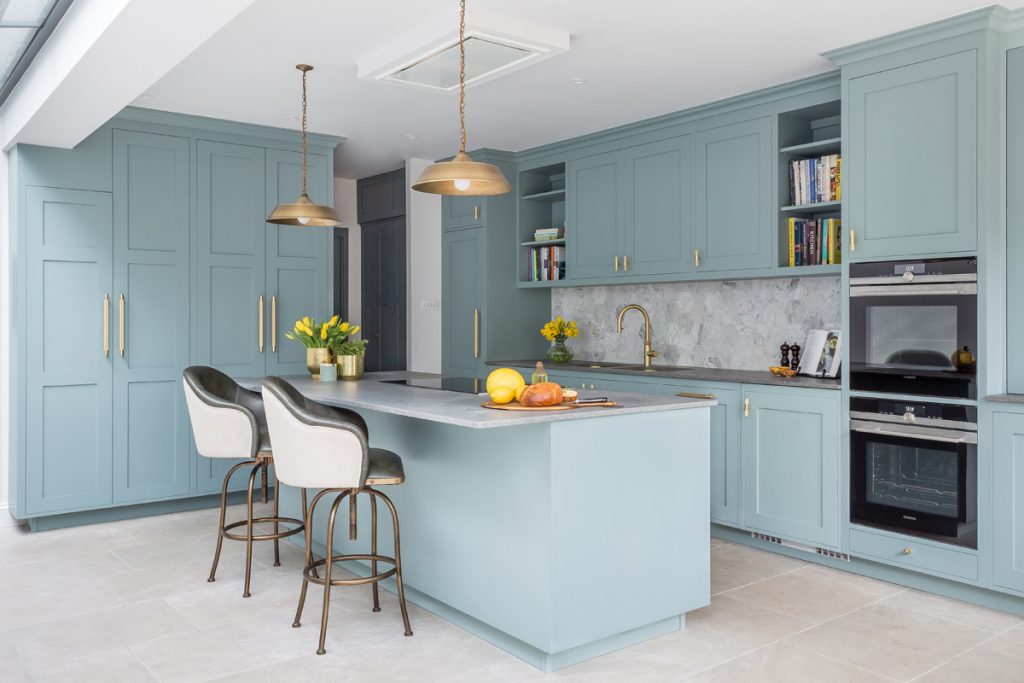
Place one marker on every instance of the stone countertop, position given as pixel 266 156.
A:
pixel 460 409
pixel 670 372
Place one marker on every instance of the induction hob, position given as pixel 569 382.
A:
pixel 464 385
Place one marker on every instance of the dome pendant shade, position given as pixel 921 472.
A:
pixel 304 213
pixel 462 176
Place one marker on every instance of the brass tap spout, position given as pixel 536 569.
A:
pixel 648 353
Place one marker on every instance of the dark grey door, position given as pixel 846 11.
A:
pixel 384 305
pixel 341 273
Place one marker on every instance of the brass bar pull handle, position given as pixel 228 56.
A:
pixel 120 331
pixel 259 341
pixel 692 394
pixel 106 325
pixel 696 258
pixel 616 264
pixel 625 263
pixel 746 407
pixel 476 333
pixel 273 323
pixel 476 212
pixel 853 240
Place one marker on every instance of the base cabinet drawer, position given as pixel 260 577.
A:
pixel 912 554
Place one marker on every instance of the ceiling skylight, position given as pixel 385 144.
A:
pixel 24 27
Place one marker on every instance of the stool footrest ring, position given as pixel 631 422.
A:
pixel 226 531
pixel 312 577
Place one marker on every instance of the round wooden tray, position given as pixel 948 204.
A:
pixel 560 406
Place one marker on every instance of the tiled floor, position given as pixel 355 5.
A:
pixel 129 601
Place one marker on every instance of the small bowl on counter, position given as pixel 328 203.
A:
pixel 781 371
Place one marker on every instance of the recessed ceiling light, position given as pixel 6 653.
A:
pixel 291 119
pixel 577 81
pixel 143 96
pixel 409 136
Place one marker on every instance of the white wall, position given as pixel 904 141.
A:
pixel 345 205
pixel 423 258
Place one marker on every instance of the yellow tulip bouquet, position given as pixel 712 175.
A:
pixel 314 334
pixel 557 331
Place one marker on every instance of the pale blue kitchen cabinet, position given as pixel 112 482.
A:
pixel 910 171
pixel 791 455
pixel 726 424
pixel 463 258
pixel 1008 500
pixel 1014 255
pixel 733 208
pixel 463 212
pixel 68 373
pixel 595 213
pixel 152 286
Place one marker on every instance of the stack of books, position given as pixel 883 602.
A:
pixel 815 241
pixel 547 263
pixel 546 234
pixel 813 181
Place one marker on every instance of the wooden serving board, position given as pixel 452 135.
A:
pixel 560 406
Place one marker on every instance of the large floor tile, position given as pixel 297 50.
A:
pixel 20 606
pixel 953 610
pixel 107 665
pixel 1010 641
pixel 754 561
pixel 725 578
pixel 786 663
pixel 896 643
pixel 814 593
pixel 979 665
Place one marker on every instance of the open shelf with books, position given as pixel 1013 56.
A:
pixel 541 225
pixel 810 226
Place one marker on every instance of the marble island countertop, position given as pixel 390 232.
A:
pixel 676 372
pixel 461 409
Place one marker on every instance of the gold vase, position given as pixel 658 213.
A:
pixel 315 358
pixel 350 367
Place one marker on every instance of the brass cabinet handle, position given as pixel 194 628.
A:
pixel 853 240
pixel 691 394
pixel 273 324
pixel 120 331
pixel 259 340
pixel 908 550
pixel 696 258
pixel 106 325
pixel 476 212
pixel 625 263
pixel 746 407
pixel 616 264
pixel 476 333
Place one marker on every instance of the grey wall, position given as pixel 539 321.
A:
pixel 733 324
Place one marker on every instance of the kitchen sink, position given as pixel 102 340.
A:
pixel 654 368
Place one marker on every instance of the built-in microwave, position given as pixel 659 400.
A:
pixel 914 467
pixel 914 327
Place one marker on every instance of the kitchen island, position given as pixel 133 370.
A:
pixel 557 536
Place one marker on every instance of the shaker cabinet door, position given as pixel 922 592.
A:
pixel 1008 501
pixel 910 181
pixel 595 212
pixel 152 441
pixel 462 267
pixel 68 374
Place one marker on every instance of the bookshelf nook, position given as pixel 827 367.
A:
pixel 541 233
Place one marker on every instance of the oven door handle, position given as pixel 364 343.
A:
pixel 922 433
pixel 945 289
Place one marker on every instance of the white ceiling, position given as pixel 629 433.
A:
pixel 640 59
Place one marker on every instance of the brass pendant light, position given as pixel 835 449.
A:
pixel 303 212
pixel 462 175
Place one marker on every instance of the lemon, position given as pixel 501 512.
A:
pixel 519 391
pixel 505 377
pixel 502 395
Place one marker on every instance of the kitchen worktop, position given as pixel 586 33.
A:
pixel 673 372
pixel 460 409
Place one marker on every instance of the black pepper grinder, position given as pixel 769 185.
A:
pixel 785 355
pixel 795 363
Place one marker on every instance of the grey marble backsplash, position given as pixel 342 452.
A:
pixel 732 324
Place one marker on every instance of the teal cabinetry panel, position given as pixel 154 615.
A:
pixel 1008 500
pixel 1014 219
pixel 69 380
pixel 463 212
pixel 298 276
pixel 910 175
pixel 726 423
pixel 926 556
pixel 463 259
pixel 733 221
pixel 791 464
pixel 595 213
pixel 151 255
pixel 656 235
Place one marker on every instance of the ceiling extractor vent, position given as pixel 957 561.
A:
pixel 494 46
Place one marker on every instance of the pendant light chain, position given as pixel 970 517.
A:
pixel 462 73
pixel 304 72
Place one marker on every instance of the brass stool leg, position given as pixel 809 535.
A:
pixel 220 527
pixel 277 508
pixel 248 530
pixel 373 551
pixel 309 553
pixel 398 561
pixel 264 484
pixel 328 565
